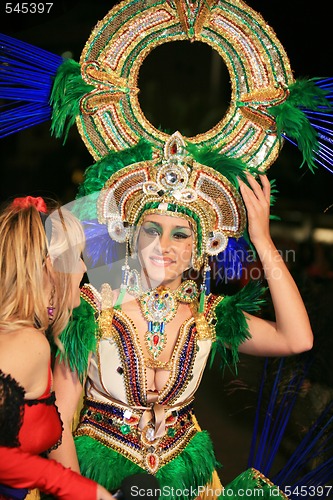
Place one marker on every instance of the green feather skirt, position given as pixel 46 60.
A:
pixel 179 478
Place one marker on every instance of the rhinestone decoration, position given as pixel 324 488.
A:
pixel 217 243
pixel 158 307
pixel 152 462
pixel 117 231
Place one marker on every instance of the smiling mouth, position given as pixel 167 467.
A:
pixel 161 262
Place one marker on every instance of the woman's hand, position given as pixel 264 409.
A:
pixel 103 494
pixel 257 203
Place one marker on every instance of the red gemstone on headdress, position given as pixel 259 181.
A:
pixel 173 149
pixel 215 243
pixel 152 461
pixel 131 420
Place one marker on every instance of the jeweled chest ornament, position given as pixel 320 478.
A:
pixel 159 306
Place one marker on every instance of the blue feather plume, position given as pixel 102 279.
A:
pixel 316 446
pixel 322 122
pixel 100 249
pixel 26 79
pixel 228 265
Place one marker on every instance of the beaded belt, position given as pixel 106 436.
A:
pixel 139 433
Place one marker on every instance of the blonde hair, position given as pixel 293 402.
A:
pixel 27 239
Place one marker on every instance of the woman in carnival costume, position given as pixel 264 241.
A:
pixel 40 270
pixel 142 360
pixel 173 204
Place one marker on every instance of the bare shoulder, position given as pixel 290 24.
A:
pixel 25 354
pixel 25 339
pixel 29 340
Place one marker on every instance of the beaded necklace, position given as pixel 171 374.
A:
pixel 159 306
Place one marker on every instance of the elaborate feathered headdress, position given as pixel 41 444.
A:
pixel 140 168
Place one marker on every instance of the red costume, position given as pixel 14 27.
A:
pixel 21 467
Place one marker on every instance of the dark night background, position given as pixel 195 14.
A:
pixel 181 93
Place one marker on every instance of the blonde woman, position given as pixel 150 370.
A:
pixel 40 272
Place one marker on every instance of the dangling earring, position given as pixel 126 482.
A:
pixel 133 243
pixel 50 307
pixel 132 252
pixel 205 287
pixel 125 269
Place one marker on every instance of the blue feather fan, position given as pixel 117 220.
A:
pixel 26 79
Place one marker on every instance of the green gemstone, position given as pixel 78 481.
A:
pixel 125 429
pixel 171 432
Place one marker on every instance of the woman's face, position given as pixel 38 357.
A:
pixel 164 249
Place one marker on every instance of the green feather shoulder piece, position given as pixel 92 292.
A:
pixel 231 326
pixel 79 338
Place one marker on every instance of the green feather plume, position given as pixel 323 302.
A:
pixel 293 122
pixel 306 94
pixel 79 339
pixel 67 90
pixel 231 168
pixel 193 467
pixel 231 326
pixel 97 174
pixel 252 482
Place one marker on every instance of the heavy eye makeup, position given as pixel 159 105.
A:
pixel 178 233
pixel 181 233
pixel 152 229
